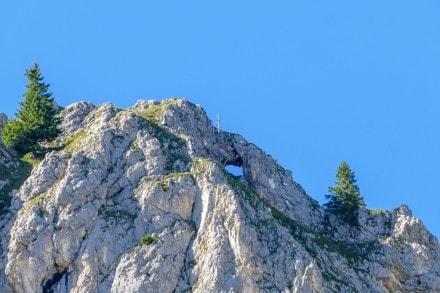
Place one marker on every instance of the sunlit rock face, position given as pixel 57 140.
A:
pixel 139 200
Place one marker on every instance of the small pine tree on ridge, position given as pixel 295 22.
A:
pixel 345 198
pixel 37 120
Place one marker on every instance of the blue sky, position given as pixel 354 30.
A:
pixel 311 82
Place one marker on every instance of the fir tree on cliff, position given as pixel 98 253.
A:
pixel 345 198
pixel 37 120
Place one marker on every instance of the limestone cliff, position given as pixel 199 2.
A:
pixel 139 200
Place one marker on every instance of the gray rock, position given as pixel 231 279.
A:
pixel 139 200
pixel 3 119
pixel 74 116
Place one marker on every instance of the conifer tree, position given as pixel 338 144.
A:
pixel 36 121
pixel 345 198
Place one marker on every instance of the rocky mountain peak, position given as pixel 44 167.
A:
pixel 139 200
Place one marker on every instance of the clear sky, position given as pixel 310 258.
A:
pixel 311 82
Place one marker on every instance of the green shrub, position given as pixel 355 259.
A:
pixel 148 239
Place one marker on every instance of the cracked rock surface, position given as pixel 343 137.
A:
pixel 139 200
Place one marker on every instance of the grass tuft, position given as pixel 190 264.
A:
pixel 148 239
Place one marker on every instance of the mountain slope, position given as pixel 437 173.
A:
pixel 156 172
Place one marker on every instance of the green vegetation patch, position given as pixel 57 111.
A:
pixel 170 143
pixel 293 226
pixel 173 158
pixel 234 182
pixel 192 264
pixel 148 239
pixel 353 252
pixel 33 160
pixel 15 177
pixel 36 201
pixel 200 165
pixel 153 115
pixel 74 142
pixel 378 212
pixel 155 112
pixel 167 179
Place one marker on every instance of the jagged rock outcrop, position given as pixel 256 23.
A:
pixel 12 174
pixel 139 200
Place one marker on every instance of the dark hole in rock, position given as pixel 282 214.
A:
pixel 51 286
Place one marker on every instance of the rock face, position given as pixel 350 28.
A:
pixel 139 200
pixel 12 174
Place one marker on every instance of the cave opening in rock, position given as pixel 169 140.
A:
pixel 54 284
pixel 233 163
